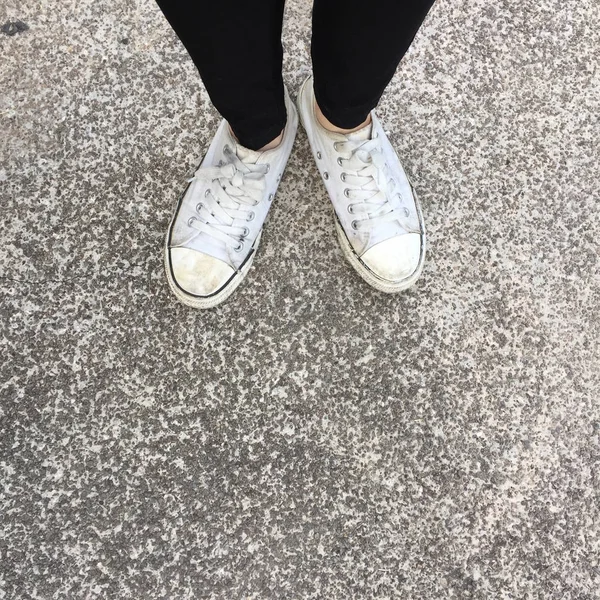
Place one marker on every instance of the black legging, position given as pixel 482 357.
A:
pixel 236 46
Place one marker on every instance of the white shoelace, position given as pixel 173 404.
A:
pixel 235 188
pixel 369 182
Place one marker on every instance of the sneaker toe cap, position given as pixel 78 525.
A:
pixel 197 273
pixel 395 259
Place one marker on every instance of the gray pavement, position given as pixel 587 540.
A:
pixel 311 438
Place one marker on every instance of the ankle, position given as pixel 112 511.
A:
pixel 273 143
pixel 329 126
pixel 270 146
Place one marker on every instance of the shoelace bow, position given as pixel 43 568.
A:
pixel 369 182
pixel 235 188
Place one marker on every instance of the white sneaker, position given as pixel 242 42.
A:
pixel 378 218
pixel 217 225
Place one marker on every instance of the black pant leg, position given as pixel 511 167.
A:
pixel 356 48
pixel 236 46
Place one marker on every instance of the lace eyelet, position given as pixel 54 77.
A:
pixel 268 167
pixel 339 161
pixel 270 197
pixel 354 225
pixel 226 148
pixel 191 220
pixel 343 177
pixel 347 193
pixel 335 146
pixel 246 232
pixel 406 212
pixel 206 193
pixel 239 247
pixel 199 207
pixel 325 175
pixel 351 209
pixel 251 216
pixel 319 155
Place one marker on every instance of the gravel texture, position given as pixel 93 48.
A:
pixel 311 438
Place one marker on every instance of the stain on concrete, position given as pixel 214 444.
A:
pixel 11 28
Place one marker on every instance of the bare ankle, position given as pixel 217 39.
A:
pixel 326 124
pixel 270 146
pixel 273 143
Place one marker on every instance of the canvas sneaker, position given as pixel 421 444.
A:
pixel 377 215
pixel 218 222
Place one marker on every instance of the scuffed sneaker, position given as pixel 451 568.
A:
pixel 378 217
pixel 217 225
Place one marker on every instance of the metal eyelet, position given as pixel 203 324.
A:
pixel 319 155
pixel 343 177
pixel 246 232
pixel 347 193
pixel 191 220
pixel 339 161
pixel 251 216
pixel 206 193
pixel 325 175
pixel 239 247
pixel 270 197
pixel 351 209
pixel 268 167
pixel 335 146
pixel 199 206
pixel 226 148
pixel 354 225
pixel 406 212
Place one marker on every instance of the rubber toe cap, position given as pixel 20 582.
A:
pixel 394 259
pixel 197 273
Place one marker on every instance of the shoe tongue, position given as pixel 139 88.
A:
pixel 248 156
pixel 361 135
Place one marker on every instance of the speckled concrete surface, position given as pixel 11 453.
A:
pixel 311 438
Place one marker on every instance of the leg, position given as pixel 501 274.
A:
pixel 236 46
pixel 356 50
pixel 218 222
